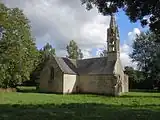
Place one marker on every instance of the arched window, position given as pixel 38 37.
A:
pixel 52 73
pixel 113 48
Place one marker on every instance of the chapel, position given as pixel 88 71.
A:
pixel 101 75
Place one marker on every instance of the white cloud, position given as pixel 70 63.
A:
pixel 87 53
pixel 132 35
pixel 134 32
pixel 126 48
pixel 59 21
pixel 126 60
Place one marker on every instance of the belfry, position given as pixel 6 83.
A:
pixel 113 40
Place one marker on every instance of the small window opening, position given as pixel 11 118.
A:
pixel 52 73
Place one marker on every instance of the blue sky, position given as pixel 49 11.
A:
pixel 125 26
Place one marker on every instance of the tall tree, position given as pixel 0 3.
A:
pixel 130 72
pixel 17 47
pixel 136 78
pixel 144 48
pixel 135 9
pixel 146 54
pixel 131 75
pixel 47 51
pixel 3 14
pixel 73 51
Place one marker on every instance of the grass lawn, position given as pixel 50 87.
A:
pixel 37 106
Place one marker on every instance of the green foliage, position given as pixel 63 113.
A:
pixel 144 48
pixel 134 9
pixel 17 48
pixel 73 51
pixel 137 79
pixel 36 106
pixel 3 15
pixel 131 73
pixel 47 51
pixel 146 54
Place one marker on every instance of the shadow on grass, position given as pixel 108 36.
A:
pixel 144 90
pixel 139 96
pixel 25 89
pixel 76 111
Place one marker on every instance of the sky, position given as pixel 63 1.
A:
pixel 59 21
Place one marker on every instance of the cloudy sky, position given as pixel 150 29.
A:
pixel 59 21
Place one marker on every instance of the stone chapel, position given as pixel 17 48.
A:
pixel 101 75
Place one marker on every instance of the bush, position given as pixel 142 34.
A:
pixel 29 83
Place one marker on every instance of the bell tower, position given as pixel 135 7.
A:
pixel 113 40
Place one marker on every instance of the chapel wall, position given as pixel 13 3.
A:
pixel 123 78
pixel 126 83
pixel 46 84
pixel 69 83
pixel 101 84
pixel 44 77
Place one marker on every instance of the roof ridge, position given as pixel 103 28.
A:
pixel 93 58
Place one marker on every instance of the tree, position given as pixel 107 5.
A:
pixel 146 54
pixel 47 51
pixel 3 14
pixel 155 69
pixel 131 73
pixel 137 79
pixel 132 76
pixel 73 51
pixel 135 9
pixel 17 47
pixel 143 49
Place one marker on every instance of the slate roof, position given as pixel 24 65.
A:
pixel 86 66
pixel 66 65
pixel 95 66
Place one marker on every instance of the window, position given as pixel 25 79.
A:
pixel 52 73
pixel 113 49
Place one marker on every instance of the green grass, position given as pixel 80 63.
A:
pixel 37 106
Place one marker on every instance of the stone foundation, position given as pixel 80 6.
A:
pixel 8 90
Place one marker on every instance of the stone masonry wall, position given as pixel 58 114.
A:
pixel 102 84
pixel 51 85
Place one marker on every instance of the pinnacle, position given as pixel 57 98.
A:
pixel 112 21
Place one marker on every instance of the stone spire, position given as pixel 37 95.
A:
pixel 112 21
pixel 113 38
